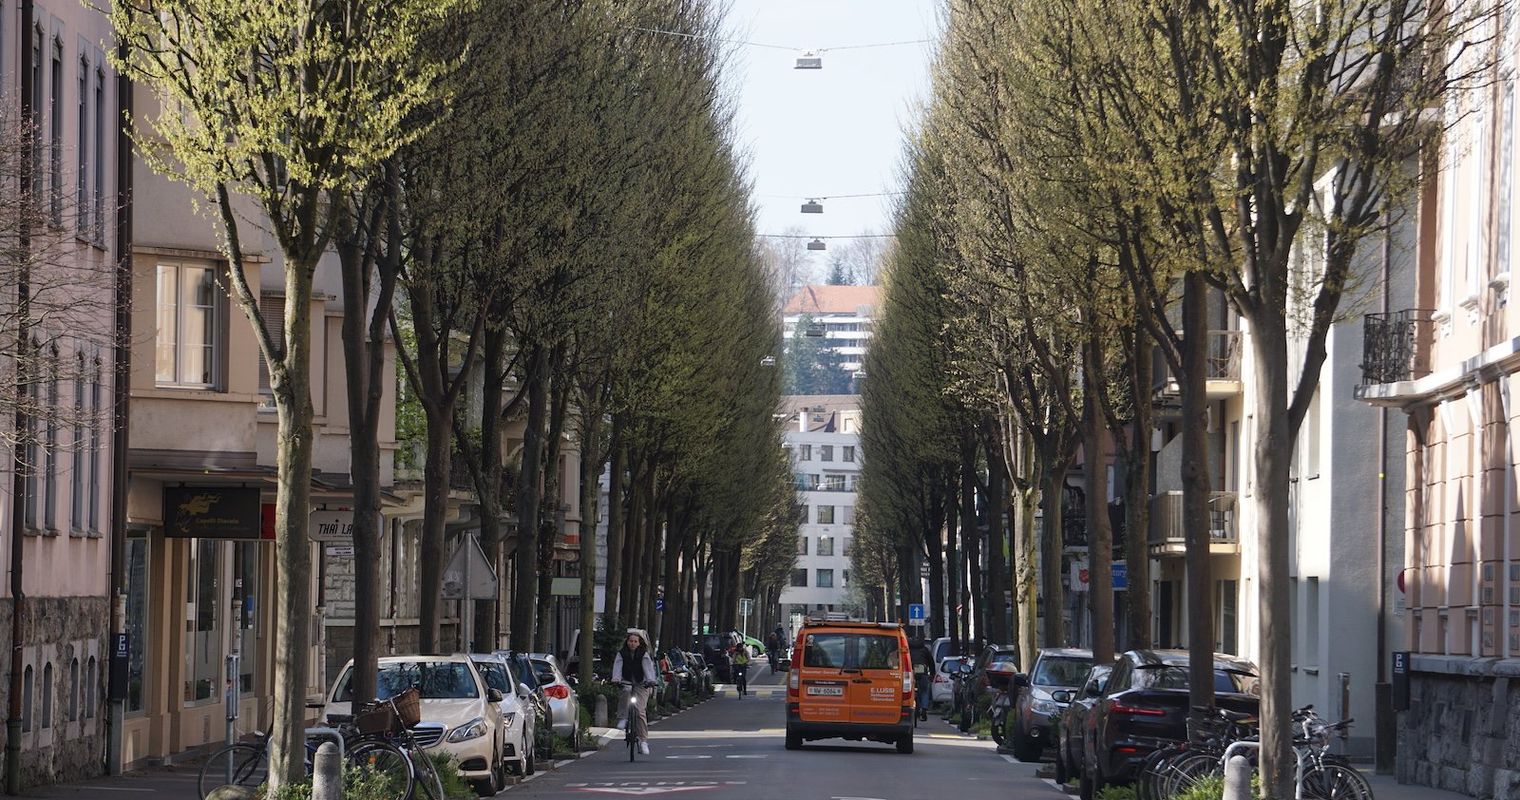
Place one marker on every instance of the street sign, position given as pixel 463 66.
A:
pixel 331 526
pixel 659 603
pixel 121 654
pixel 1121 576
pixel 340 551
pixel 746 605
pixel 1401 680
pixel 916 614
pixel 469 572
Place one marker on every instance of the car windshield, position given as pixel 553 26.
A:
pixel 851 651
pixel 544 671
pixel 495 674
pixel 1060 671
pixel 1164 676
pixel 436 680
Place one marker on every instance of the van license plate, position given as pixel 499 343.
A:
pixel 826 691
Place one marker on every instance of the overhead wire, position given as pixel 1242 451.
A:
pixel 788 48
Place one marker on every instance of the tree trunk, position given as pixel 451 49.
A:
pixel 435 492
pixel 1195 492
pixel 997 503
pixel 1052 493
pixel 1026 602
pixel 291 386
pixel 952 569
pixel 614 581
pixel 1137 494
pixel 489 470
pixel 525 602
pixel 934 546
pixel 591 471
pixel 629 607
pixel 973 601
pixel 551 524
pixel 1100 537
pixel 1274 453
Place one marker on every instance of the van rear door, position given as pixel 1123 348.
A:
pixel 823 685
pixel 877 678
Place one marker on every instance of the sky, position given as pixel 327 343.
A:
pixel 835 131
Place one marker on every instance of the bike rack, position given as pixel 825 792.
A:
pixel 1298 770
pixel 332 734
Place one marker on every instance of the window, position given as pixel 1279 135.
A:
pixel 804 452
pixel 50 453
pixel 27 679
pixel 1312 434
pixel 272 309
pixel 247 570
pixel 137 620
pixel 31 487
pixel 36 112
pixel 825 515
pixel 1311 622
pixel 91 676
pixel 77 469
pixel 1228 627
pixel 55 127
pixel 826 452
pixel 46 690
pixel 847 453
pixel 851 651
pixel 187 325
pixel 802 545
pixel 96 423
pixel 847 515
pixel 844 579
pixel 825 545
pixel 99 195
pixel 203 651
pixel 825 579
pixel 82 173
pixel 74 690
pixel 833 483
pixel 799 577
pixel 844 546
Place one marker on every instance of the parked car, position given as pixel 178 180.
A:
pixel 685 674
pixel 701 671
pixel 1145 707
pixel 461 715
pixel 559 689
pixel 601 663
pixel 526 680
pixel 1037 706
pixel 942 690
pixel 852 680
pixel 1072 729
pixel 517 715
pixel 714 648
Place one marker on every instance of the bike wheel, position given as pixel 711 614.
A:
pixel 429 785
pixel 243 765
pixel 384 764
pixel 1336 782
pixel 633 746
pixel 1182 773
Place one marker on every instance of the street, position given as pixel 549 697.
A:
pixel 733 746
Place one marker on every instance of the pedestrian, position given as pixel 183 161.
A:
pixel 633 669
pixel 923 666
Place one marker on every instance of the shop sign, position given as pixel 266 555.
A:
pixel 212 512
pixel 331 526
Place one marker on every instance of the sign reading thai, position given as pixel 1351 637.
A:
pixel 212 512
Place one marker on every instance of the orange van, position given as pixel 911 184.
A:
pixel 850 680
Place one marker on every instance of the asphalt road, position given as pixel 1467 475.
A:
pixel 733 747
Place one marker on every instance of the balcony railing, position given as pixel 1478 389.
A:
pixel 1391 346
pixel 1167 524
pixel 1222 361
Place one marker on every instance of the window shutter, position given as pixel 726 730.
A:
pixel 272 308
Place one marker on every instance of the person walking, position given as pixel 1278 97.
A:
pixel 771 646
pixel 923 669
pixel 741 669
pixel 633 669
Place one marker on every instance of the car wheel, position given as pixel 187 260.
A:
pixel 1024 748
pixel 905 744
pixel 492 784
pixel 793 740
pixel 1063 772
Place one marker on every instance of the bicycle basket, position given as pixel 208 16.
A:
pixel 375 718
pixel 409 707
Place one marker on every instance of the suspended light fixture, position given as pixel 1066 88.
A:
pixel 817 244
pixel 812 207
pixel 809 60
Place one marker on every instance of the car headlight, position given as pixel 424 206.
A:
pixel 474 729
pixel 508 718
pixel 1047 707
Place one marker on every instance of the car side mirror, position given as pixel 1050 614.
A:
pixel 1062 696
pixel 965 668
pixel 523 690
pixel 1094 691
pixel 573 681
pixel 494 695
pixel 1020 680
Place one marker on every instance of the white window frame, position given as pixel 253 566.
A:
pixel 214 346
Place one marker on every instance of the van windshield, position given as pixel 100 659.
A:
pixel 851 651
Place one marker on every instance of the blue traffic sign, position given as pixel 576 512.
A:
pixel 916 612
pixel 1121 576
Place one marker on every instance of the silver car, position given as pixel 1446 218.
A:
pixel 563 702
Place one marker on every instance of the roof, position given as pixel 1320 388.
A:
pixel 825 299
pixel 1066 652
pixel 1179 658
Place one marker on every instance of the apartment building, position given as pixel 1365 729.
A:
pixel 56 363
pixel 1449 360
pixel 823 441
pixel 838 315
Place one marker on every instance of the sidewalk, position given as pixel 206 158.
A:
pixel 166 783
pixel 1384 787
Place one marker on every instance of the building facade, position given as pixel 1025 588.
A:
pixel 838 315
pixel 823 442
pixel 1450 361
pixel 57 363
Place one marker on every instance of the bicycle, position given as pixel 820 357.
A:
pixel 630 732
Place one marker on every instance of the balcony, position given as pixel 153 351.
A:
pixel 1167 533
pixel 1395 347
pixel 1222 376
pixel 1074 521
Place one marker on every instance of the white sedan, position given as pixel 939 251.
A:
pixel 518 721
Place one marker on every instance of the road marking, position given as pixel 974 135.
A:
pixel 646 790
pixel 689 755
pixel 753 755
pixel 1009 759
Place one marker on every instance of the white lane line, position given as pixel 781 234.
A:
pixel 1009 759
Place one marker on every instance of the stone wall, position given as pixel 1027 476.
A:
pixel 1462 730
pixel 59 631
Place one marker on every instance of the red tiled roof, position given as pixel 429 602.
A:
pixel 816 299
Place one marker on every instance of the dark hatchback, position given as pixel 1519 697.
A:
pixel 1145 707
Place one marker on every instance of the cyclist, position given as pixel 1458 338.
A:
pixel 741 669
pixel 633 669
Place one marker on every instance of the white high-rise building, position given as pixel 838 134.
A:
pixel 823 440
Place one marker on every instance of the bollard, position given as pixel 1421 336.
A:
pixel 327 773
pixel 232 793
pixel 1237 779
pixel 599 712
